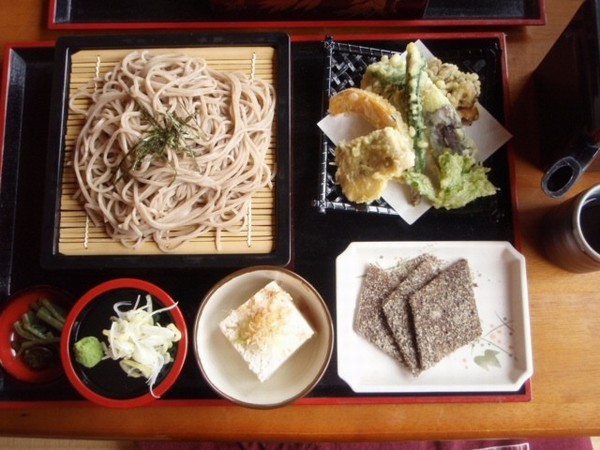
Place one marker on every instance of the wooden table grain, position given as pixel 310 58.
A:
pixel 565 319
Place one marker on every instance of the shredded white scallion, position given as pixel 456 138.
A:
pixel 141 345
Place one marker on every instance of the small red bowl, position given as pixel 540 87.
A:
pixel 106 384
pixel 16 305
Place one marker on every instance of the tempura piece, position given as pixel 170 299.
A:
pixel 461 88
pixel 379 112
pixel 367 163
pixel 387 77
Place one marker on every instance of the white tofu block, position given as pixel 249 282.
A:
pixel 266 329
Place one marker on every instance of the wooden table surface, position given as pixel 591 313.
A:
pixel 565 319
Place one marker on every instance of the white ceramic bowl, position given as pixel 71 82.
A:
pixel 225 370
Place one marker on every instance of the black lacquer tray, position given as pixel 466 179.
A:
pixel 107 14
pixel 318 237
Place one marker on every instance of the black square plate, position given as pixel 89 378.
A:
pixel 53 258
pixel 345 65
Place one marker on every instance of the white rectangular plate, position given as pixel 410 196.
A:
pixel 499 361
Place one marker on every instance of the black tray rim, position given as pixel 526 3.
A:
pixel 64 48
pixel 53 22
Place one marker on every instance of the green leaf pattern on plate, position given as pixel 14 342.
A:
pixel 495 341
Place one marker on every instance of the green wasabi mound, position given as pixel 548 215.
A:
pixel 88 351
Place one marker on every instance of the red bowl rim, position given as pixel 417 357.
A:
pixel 66 343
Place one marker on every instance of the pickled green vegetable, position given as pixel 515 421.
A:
pixel 38 334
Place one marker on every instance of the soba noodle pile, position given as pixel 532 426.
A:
pixel 207 166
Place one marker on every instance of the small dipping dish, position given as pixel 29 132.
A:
pixel 224 368
pixel 106 384
pixel 16 305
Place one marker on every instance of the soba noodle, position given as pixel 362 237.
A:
pixel 205 172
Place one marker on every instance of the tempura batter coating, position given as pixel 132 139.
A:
pixel 461 88
pixel 367 163
pixel 379 112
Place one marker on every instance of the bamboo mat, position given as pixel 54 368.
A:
pixel 79 236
